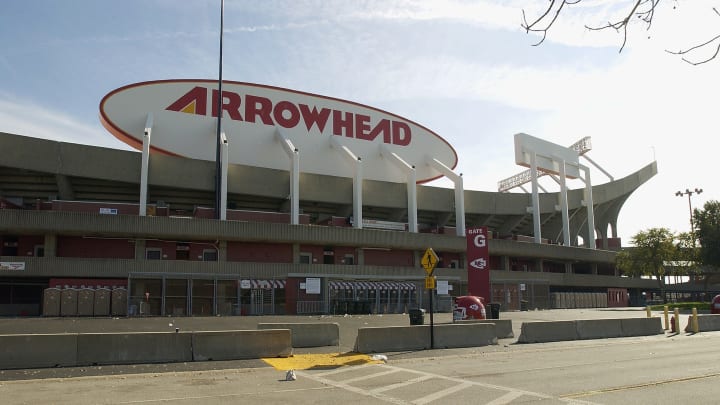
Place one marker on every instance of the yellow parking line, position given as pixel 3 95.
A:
pixel 320 361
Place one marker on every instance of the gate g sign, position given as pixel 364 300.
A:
pixel 478 266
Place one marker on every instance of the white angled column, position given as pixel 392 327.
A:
pixel 564 203
pixel 589 204
pixel 357 180
pixel 459 194
pixel 535 197
pixel 411 186
pixel 294 155
pixel 145 165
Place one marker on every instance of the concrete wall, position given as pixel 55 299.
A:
pixel 131 348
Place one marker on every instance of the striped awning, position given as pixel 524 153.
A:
pixel 370 285
pixel 267 284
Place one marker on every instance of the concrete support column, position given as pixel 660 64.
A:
pixel 140 249
pixel 296 253
pixel 505 263
pixel 539 265
pixel 360 256
pixel 594 269
pixel 568 268
pixel 222 251
pixel 50 245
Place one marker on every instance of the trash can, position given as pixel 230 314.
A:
pixel 715 307
pixel 417 316
pixel 494 310
pixel 523 305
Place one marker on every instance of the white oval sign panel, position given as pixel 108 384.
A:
pixel 322 129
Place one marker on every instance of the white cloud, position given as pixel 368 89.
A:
pixel 26 118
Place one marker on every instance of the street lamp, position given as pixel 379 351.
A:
pixel 689 193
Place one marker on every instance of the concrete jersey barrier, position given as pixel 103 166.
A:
pixel 309 334
pixel 557 331
pixel 38 351
pixel 404 338
pixel 241 344
pixel 73 349
pixel 503 327
pixel 706 323
pixel 133 348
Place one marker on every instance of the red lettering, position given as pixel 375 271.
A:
pixel 193 102
pixel 382 127
pixel 401 133
pixel 258 106
pixel 362 127
pixel 278 114
pixel 314 117
pixel 232 106
pixel 339 123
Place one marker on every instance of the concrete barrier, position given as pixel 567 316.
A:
pixel 706 323
pixel 503 327
pixel 558 331
pixel 598 328
pixel 37 351
pixel 404 338
pixel 541 332
pixel 241 344
pixel 309 334
pixel 642 327
pixel 133 348
pixel 464 335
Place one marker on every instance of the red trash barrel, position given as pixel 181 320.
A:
pixel 715 306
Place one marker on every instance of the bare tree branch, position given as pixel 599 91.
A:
pixel 701 45
pixel 642 10
pixel 531 27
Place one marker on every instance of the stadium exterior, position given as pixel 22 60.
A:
pixel 69 221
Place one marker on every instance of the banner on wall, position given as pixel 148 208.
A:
pixel 478 262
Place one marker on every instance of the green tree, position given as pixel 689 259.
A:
pixel 707 231
pixel 654 249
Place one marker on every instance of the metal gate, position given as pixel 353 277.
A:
pixel 262 301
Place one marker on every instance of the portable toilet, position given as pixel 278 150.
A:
pixel 85 302
pixel 68 302
pixel 101 304
pixel 118 304
pixel 51 301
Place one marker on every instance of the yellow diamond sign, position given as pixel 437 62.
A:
pixel 429 261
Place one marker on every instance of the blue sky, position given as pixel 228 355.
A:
pixel 464 69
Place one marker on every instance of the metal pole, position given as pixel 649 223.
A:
pixel 432 329
pixel 218 172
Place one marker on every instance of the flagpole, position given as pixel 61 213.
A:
pixel 218 170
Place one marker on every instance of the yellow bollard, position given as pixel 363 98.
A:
pixel 667 318
pixel 649 311
pixel 695 323
pixel 676 311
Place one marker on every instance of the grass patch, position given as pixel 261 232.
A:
pixel 682 306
